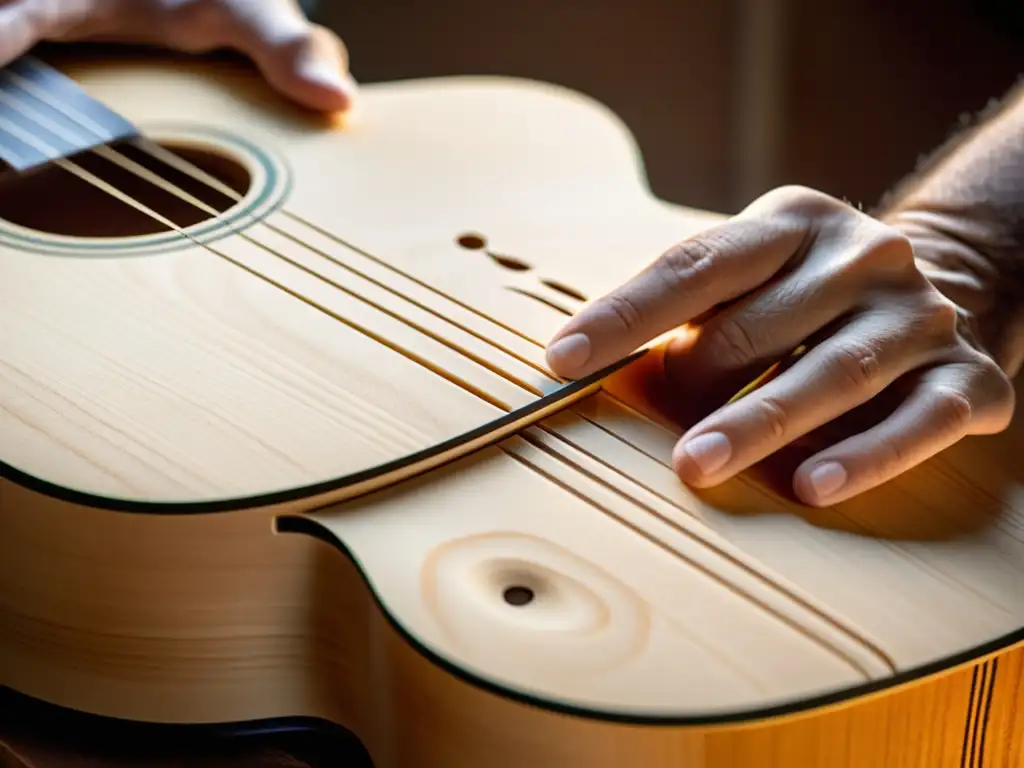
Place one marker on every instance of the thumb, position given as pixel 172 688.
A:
pixel 303 61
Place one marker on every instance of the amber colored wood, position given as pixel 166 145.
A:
pixel 405 271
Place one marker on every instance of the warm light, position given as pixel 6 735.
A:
pixel 687 334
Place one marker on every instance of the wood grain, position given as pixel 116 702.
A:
pixel 380 286
pixel 245 625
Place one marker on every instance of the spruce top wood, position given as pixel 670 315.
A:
pixel 362 292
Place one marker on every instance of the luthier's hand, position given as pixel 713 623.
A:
pixel 799 266
pixel 303 61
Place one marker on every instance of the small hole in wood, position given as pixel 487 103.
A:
pixel 509 262
pixel 518 596
pixel 471 241
pixel 561 288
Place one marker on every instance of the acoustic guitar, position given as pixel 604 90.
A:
pixel 279 442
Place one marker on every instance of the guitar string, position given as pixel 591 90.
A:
pixel 781 616
pixel 110 189
pixel 178 163
pixel 197 174
pixel 188 198
pixel 112 155
pixel 632 498
pixel 188 169
pixel 191 171
pixel 147 175
pixel 428 287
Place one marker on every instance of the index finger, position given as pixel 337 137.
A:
pixel 690 278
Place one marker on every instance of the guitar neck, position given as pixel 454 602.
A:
pixel 46 116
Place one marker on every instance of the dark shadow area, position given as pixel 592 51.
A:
pixel 864 87
pixel 35 734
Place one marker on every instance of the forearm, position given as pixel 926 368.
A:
pixel 964 213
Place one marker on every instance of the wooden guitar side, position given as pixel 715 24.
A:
pixel 556 599
pixel 218 620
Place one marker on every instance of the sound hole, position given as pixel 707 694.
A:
pixel 53 200
pixel 518 596
pixel 471 242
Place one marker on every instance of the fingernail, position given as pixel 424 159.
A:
pixel 570 353
pixel 709 452
pixel 328 76
pixel 827 478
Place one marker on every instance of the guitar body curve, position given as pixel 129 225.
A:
pixel 557 598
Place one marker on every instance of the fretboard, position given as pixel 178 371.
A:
pixel 45 115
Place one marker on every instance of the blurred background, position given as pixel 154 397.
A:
pixel 727 98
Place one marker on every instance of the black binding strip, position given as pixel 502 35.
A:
pixel 498 428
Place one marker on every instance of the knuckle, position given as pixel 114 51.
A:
pixel 625 310
pixel 942 318
pixel 856 365
pixel 887 250
pixel 952 410
pixel 773 415
pixel 851 272
pixel 927 321
pixel 886 238
pixel 686 264
pixel 795 198
pixel 943 312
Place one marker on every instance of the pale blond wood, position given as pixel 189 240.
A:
pixel 179 377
